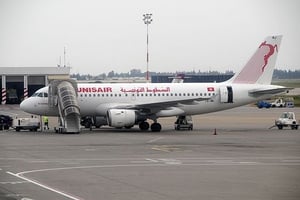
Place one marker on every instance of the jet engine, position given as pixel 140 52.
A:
pixel 121 118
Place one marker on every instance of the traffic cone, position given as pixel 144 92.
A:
pixel 215 132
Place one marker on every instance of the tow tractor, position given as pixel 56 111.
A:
pixel 287 119
pixel 278 103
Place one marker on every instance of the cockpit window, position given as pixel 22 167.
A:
pixel 35 94
pixel 40 94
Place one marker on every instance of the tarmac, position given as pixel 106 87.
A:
pixel 230 155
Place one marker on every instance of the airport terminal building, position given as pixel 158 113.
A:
pixel 18 83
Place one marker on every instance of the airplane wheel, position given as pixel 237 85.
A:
pixel 156 127
pixel 144 126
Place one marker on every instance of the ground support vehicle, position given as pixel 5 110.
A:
pixel 5 122
pixel 184 122
pixel 289 104
pixel 287 119
pixel 26 123
pixel 263 104
pixel 279 103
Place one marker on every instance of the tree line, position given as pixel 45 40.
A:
pixel 278 74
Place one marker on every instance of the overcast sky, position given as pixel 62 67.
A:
pixel 185 35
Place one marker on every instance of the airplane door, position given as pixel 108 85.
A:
pixel 226 94
pixel 230 94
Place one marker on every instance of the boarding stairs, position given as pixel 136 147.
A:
pixel 63 95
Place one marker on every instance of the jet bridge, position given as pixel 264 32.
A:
pixel 63 94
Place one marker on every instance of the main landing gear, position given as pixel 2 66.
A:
pixel 155 127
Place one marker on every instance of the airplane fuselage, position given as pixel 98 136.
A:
pixel 96 99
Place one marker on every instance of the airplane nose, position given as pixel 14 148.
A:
pixel 25 105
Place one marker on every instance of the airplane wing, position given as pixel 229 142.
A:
pixel 153 107
pixel 269 91
pixel 191 101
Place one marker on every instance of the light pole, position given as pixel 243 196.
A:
pixel 147 20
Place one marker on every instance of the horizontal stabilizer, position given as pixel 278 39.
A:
pixel 269 91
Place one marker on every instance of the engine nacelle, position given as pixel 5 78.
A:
pixel 121 117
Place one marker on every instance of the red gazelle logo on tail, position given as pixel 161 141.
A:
pixel 269 54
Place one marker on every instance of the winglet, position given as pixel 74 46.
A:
pixel 259 69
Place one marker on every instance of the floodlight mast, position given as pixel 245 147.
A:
pixel 147 20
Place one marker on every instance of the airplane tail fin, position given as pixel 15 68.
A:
pixel 259 69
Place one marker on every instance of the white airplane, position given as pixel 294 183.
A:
pixel 126 105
